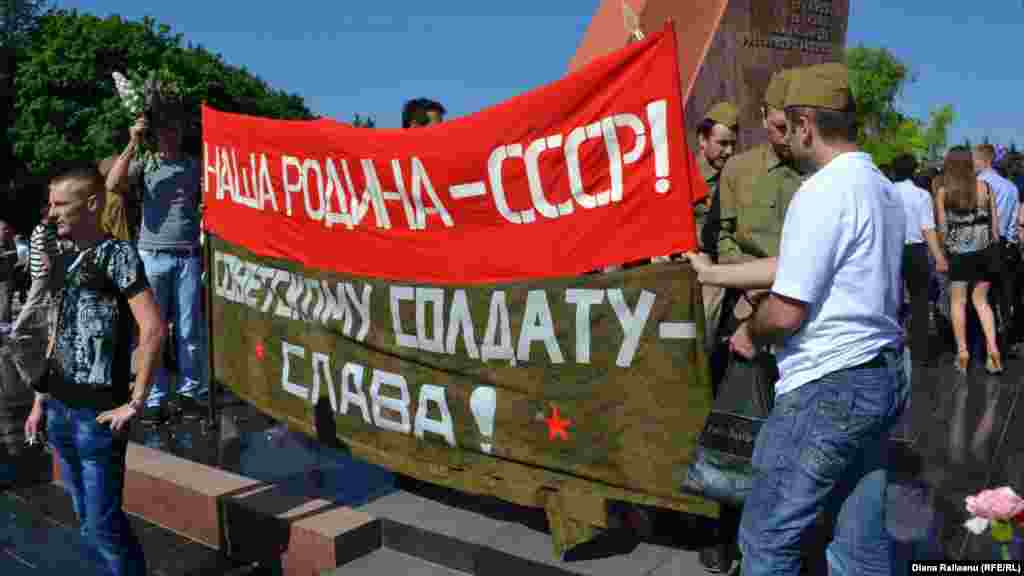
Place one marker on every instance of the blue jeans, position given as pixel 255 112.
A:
pixel 92 464
pixel 176 283
pixel 823 449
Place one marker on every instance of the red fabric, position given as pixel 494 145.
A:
pixel 480 245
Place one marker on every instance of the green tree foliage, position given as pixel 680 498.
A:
pixel 17 21
pixel 876 78
pixel 68 108
pixel 937 132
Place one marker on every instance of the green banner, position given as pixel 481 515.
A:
pixel 562 394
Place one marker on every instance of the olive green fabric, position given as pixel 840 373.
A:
pixel 632 430
pixel 117 215
pixel 820 86
pixel 756 189
pixel 724 113
pixel 115 218
pixel 775 94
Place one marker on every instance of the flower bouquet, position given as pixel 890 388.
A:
pixel 996 511
pixel 155 95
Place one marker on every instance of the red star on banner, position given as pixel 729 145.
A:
pixel 557 426
pixel 260 351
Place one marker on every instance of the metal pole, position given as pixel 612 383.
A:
pixel 211 395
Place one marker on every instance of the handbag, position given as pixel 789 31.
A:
pixel 722 467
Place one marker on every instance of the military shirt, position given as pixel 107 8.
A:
pixel 756 188
pixel 117 219
pixel 703 207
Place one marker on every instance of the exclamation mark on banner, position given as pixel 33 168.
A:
pixel 482 403
pixel 657 114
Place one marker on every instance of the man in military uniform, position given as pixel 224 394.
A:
pixel 756 186
pixel 716 140
pixel 754 190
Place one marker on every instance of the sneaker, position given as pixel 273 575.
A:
pixel 190 408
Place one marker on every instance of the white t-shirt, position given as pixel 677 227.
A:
pixel 917 205
pixel 842 242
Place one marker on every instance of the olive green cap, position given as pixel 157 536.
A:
pixel 724 113
pixel 820 86
pixel 775 94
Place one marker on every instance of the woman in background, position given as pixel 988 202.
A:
pixel 966 213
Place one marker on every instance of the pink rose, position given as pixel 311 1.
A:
pixel 999 504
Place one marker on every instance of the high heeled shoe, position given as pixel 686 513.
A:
pixel 963 358
pixel 994 364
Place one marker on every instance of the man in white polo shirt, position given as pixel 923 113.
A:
pixel 921 239
pixel 832 315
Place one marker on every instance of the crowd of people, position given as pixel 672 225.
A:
pixel 975 199
pixel 808 257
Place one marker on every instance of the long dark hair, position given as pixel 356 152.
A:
pixel 959 180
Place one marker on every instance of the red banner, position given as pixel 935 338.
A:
pixel 588 171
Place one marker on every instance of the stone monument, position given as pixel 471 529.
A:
pixel 728 49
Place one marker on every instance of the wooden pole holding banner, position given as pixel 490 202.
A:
pixel 211 382
pixel 728 49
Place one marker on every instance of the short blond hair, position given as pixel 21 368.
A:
pixel 987 152
pixel 87 174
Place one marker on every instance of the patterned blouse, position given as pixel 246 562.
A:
pixel 969 231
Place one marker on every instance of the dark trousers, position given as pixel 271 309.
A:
pixel 916 274
pixel 1005 290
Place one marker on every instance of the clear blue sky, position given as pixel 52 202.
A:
pixel 368 56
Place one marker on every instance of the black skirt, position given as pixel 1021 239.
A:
pixel 980 266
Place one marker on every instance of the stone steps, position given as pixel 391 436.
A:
pixel 436 531
pixel 387 561
pixel 484 536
